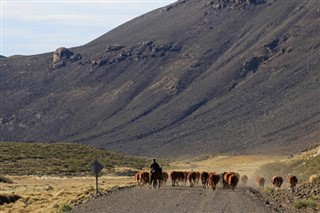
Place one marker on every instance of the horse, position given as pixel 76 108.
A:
pixel 155 179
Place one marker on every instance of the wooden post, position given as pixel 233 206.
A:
pixel 97 190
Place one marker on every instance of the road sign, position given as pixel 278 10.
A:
pixel 96 168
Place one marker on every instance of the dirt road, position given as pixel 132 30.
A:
pixel 176 199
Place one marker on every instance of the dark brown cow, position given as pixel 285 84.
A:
pixel 176 176
pixel 293 180
pixel 260 181
pixel 244 180
pixel 233 180
pixel 204 179
pixel 277 181
pixel 198 177
pixel 213 180
pixel 192 177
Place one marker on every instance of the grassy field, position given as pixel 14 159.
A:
pixel 303 165
pixel 53 194
pixel 52 178
pixel 61 159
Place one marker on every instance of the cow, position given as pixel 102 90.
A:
pixel 185 178
pixel 176 176
pixel 293 180
pixel 137 177
pixel 204 179
pixel 142 178
pixel 222 181
pixel 277 181
pixel 198 177
pixel 260 181
pixel 244 180
pixel 232 179
pixel 165 177
pixel 192 177
pixel 213 180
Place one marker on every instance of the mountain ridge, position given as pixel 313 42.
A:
pixel 194 77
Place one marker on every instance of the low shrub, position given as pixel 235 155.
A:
pixel 5 180
pixel 305 203
pixel 64 208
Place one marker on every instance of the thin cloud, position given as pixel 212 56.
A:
pixel 85 20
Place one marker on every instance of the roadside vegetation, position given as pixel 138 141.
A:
pixel 302 165
pixel 61 159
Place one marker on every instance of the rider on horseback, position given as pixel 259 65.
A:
pixel 155 167
pixel 155 174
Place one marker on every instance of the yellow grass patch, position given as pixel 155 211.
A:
pixel 48 194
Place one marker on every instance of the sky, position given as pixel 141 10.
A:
pixel 30 27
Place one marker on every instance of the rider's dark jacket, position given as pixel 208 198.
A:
pixel 155 167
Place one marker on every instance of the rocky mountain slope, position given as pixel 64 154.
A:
pixel 194 77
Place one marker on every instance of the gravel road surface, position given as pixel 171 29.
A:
pixel 175 199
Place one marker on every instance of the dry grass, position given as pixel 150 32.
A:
pixel 49 194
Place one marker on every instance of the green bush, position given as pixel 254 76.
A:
pixel 5 180
pixel 269 190
pixel 64 208
pixel 305 203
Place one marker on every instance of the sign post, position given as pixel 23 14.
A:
pixel 96 168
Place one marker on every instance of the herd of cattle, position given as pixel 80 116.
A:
pixel 228 180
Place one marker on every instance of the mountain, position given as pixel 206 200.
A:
pixel 194 77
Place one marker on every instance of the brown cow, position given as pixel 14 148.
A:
pixel 213 180
pixel 192 177
pixel 277 181
pixel 185 178
pixel 204 179
pixel 244 180
pixel 232 179
pixel 293 180
pixel 144 178
pixel 165 177
pixel 260 181
pixel 137 177
pixel 222 181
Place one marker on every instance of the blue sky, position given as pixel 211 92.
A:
pixel 33 27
